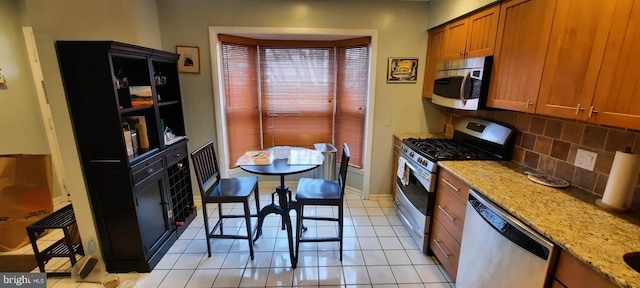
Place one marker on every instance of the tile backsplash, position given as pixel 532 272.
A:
pixel 549 145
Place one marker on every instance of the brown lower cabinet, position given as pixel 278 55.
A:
pixel 445 247
pixel 394 166
pixel 448 220
pixel 571 273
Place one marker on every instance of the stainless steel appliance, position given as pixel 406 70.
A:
pixel 497 250
pixel 473 139
pixel 462 84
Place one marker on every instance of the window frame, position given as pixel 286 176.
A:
pixel 293 34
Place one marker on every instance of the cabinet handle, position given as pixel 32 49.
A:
pixel 180 166
pixel 150 170
pixel 591 111
pixel 450 185
pixel 440 247
pixel 177 155
pixel 446 214
pixel 578 109
pixel 528 104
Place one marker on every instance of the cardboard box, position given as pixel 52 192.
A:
pixel 26 183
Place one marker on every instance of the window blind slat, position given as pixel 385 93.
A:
pixel 241 99
pixel 351 97
pixel 297 92
pixel 301 100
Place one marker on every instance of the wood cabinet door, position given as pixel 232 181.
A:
pixel 435 51
pixel 571 272
pixel 394 166
pixel 617 97
pixel 521 45
pixel 576 46
pixel 481 33
pixel 455 39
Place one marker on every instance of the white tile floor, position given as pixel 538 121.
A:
pixel 378 252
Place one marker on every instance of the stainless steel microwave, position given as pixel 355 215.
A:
pixel 463 84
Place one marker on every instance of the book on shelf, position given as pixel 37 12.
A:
pixel 140 124
pixel 258 157
pixel 127 142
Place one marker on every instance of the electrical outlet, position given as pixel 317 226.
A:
pixel 586 159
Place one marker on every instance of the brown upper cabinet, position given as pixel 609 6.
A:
pixel 435 53
pixel 590 70
pixel 472 36
pixel 617 97
pixel 521 45
pixel 576 47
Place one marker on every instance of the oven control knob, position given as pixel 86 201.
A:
pixel 420 160
pixel 411 154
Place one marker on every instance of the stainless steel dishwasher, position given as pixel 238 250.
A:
pixel 498 251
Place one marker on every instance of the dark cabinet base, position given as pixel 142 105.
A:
pixel 118 266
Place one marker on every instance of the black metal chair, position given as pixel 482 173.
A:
pixel 320 192
pixel 214 189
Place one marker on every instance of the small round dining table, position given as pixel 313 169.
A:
pixel 279 167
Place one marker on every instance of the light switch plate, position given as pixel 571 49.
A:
pixel 586 159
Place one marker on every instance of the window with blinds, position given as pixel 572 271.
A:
pixel 295 93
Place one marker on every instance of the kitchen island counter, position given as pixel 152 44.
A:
pixel 567 216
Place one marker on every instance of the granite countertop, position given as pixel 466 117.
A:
pixel 405 135
pixel 567 216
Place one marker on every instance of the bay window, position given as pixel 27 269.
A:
pixel 294 93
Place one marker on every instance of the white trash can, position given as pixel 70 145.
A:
pixel 327 170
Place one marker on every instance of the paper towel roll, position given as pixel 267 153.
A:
pixel 622 180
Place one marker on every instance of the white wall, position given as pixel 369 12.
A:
pixel 401 27
pixel 441 11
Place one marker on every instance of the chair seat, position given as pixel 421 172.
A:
pixel 233 188
pixel 318 189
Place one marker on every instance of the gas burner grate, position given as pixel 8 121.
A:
pixel 446 149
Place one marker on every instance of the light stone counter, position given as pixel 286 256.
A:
pixel 405 135
pixel 567 216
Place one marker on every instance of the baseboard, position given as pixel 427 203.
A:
pixel 378 197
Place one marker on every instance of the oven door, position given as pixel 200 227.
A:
pixel 415 206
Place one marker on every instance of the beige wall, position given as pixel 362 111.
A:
pixel 134 22
pixel 441 11
pixel 401 33
pixel 20 122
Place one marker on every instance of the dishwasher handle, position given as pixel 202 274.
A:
pixel 509 227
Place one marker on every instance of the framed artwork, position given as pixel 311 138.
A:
pixel 189 61
pixel 402 70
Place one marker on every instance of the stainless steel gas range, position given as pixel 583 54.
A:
pixel 473 139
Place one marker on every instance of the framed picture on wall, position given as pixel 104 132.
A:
pixel 189 61
pixel 402 70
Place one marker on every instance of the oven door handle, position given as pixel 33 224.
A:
pixel 414 170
